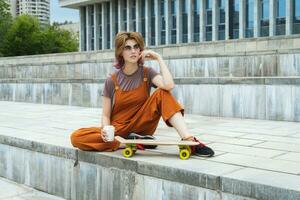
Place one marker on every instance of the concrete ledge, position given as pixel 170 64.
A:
pixel 249 164
pixel 259 46
pixel 260 65
pixel 180 81
pixel 275 98
pixel 51 149
pixel 218 178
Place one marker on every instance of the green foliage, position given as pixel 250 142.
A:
pixel 22 38
pixel 4 8
pixel 5 22
pixel 25 36
pixel 56 40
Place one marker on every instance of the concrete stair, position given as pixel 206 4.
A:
pixel 255 159
pixel 258 85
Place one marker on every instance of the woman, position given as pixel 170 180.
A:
pixel 127 104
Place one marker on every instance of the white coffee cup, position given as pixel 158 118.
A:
pixel 110 133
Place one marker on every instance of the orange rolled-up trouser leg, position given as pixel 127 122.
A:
pixel 89 139
pixel 160 103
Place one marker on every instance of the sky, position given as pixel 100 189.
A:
pixel 58 14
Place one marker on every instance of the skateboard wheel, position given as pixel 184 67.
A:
pixel 128 152
pixel 184 154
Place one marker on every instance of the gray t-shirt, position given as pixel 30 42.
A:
pixel 128 82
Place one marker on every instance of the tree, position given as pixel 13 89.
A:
pixel 5 22
pixel 26 37
pixel 56 40
pixel 22 38
pixel 4 8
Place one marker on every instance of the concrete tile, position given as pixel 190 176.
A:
pixel 210 131
pixel 9 189
pixel 222 139
pixel 259 163
pixel 289 156
pixel 296 135
pixel 36 196
pixel 279 146
pixel 13 191
pixel 274 179
pixel 243 150
pixel 272 138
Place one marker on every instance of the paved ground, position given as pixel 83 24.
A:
pixel 266 152
pixel 13 191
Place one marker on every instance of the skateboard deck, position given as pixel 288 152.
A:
pixel 184 146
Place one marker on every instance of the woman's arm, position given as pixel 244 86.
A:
pixel 106 111
pixel 165 80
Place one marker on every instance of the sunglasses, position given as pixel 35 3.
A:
pixel 129 48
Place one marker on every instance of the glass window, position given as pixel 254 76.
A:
pixel 296 17
pixel 234 14
pixel 84 28
pixel 221 4
pixel 184 7
pixel 152 32
pixel 116 17
pixel 124 13
pixel 173 21
pixel 163 22
pixel 99 13
pixel 249 19
pixel 108 25
pixel 280 17
pixel 208 24
pixel 133 14
pixel 264 18
pixel 143 19
pixel 280 8
pixel 196 20
pixel 91 26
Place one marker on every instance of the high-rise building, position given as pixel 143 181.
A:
pixel 13 7
pixel 165 22
pixel 38 8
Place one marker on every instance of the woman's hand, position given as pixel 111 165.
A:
pixel 103 135
pixel 149 55
pixel 164 80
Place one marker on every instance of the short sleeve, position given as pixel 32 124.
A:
pixel 151 74
pixel 108 90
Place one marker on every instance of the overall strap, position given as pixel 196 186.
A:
pixel 114 78
pixel 146 69
pixel 117 87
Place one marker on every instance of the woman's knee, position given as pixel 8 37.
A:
pixel 159 92
pixel 75 138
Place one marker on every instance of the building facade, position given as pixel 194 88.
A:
pixel 72 27
pixel 38 8
pixel 164 22
pixel 12 7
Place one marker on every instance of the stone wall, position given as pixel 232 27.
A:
pixel 253 78
pixel 82 175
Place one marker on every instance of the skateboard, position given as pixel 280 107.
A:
pixel 129 151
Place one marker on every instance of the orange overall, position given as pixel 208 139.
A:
pixel 133 112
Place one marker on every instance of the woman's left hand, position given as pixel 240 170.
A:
pixel 149 55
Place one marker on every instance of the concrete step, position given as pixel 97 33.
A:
pixel 14 191
pixel 237 65
pixel 255 159
pixel 274 98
